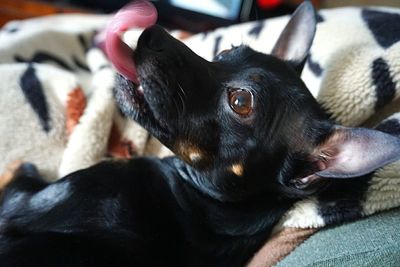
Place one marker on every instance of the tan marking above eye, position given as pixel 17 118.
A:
pixel 237 169
pixel 255 78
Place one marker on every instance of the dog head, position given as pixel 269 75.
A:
pixel 246 120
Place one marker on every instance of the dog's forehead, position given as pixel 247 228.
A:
pixel 244 63
pixel 234 55
pixel 247 77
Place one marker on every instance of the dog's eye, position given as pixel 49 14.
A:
pixel 241 101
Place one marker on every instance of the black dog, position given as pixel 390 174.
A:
pixel 250 140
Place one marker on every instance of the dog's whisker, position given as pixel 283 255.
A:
pixel 181 89
pixel 182 97
pixel 182 102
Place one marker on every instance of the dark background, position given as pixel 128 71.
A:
pixel 169 16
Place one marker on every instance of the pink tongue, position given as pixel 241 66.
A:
pixel 138 14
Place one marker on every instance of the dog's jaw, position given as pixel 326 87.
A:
pixel 131 101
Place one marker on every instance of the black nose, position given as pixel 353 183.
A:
pixel 154 38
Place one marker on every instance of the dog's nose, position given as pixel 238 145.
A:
pixel 154 38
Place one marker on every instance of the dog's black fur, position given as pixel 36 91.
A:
pixel 239 166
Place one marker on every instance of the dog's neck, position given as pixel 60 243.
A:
pixel 251 196
pixel 200 181
pixel 259 212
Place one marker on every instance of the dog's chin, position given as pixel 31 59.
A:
pixel 133 104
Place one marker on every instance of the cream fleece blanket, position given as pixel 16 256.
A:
pixel 57 108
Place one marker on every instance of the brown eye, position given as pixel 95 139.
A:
pixel 241 101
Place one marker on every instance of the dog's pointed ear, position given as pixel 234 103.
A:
pixel 353 152
pixel 295 40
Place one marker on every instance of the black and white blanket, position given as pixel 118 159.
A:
pixel 57 108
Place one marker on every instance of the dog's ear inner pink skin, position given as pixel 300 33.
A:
pixel 353 152
pixel 138 14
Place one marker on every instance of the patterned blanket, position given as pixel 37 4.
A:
pixel 57 108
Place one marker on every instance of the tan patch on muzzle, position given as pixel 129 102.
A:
pixel 192 154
